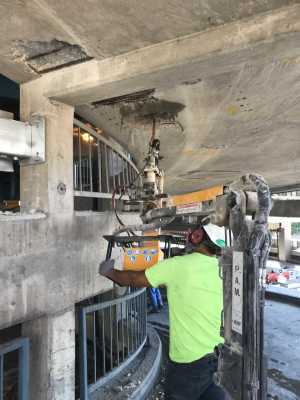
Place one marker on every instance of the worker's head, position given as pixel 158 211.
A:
pixel 209 237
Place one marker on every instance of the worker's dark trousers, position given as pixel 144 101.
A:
pixel 193 381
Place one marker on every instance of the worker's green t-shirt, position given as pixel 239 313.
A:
pixel 195 298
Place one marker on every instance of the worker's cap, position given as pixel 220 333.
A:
pixel 216 234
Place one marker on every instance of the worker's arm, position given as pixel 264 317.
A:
pixel 161 274
pixel 123 278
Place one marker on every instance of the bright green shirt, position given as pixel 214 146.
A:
pixel 195 298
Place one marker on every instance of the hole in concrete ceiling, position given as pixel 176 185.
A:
pixel 143 106
pixel 43 56
pixel 127 98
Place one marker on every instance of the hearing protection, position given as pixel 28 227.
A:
pixel 196 236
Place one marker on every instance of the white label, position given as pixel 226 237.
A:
pixel 237 292
pixel 189 208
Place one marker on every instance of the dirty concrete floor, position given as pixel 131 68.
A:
pixel 282 327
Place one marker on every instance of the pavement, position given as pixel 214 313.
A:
pixel 282 345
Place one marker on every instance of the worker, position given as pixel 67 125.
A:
pixel 194 293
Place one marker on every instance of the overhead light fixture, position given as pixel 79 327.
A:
pixel 86 137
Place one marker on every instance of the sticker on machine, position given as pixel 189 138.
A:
pixel 189 208
pixel 237 292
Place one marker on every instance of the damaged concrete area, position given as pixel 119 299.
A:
pixel 142 107
pixel 104 29
pixel 43 57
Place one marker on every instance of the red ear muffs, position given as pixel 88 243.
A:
pixel 196 236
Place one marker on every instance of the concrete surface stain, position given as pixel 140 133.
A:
pixel 201 151
pixel 232 110
pixel 291 61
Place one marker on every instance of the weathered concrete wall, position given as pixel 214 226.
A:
pixel 50 263
pixel 47 265
pixel 52 356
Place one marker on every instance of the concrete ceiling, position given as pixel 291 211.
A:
pixel 232 108
pixel 241 115
pixel 39 35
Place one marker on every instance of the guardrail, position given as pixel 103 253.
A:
pixel 111 334
pixel 99 167
pixel 295 244
pixel 14 356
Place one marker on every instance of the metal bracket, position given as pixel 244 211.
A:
pixel 24 140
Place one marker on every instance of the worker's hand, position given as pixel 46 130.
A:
pixel 106 267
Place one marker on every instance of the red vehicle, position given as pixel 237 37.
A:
pixel 272 277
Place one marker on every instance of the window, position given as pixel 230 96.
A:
pixel 14 364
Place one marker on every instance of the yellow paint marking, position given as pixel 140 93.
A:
pixel 232 110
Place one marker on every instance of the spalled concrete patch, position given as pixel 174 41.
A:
pixel 42 56
pixel 142 106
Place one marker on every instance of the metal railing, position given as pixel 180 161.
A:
pixel 275 239
pixel 99 166
pixel 14 369
pixel 111 334
pixel 295 244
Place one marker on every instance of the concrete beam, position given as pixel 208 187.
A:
pixel 286 208
pixel 40 182
pixel 170 62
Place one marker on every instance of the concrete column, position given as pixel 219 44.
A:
pixel 40 183
pixel 52 356
pixel 284 241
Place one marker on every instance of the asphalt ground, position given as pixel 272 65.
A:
pixel 282 346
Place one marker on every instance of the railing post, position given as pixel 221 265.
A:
pixel 24 370
pixel 83 356
pixel 109 249
pixel 133 311
pixel 1 377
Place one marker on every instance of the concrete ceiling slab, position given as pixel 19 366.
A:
pixel 108 28
pixel 232 123
pixel 234 92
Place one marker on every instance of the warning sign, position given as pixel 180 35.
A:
pixel 237 292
